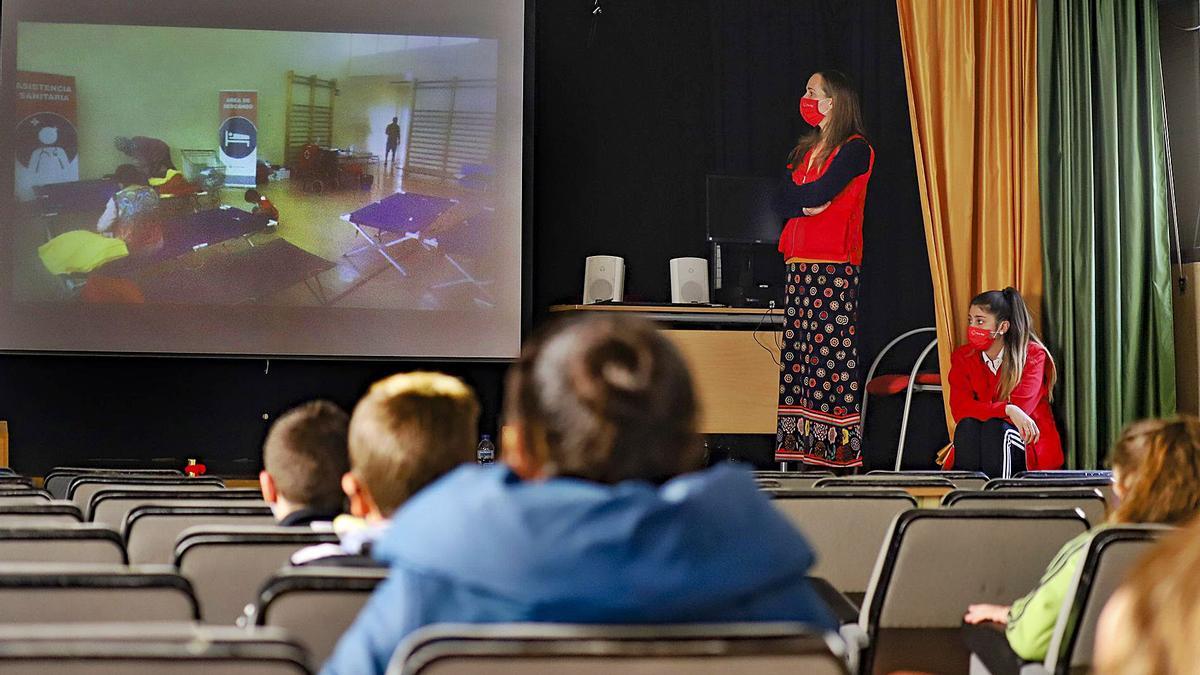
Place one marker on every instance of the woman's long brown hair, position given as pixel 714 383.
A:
pixel 1158 464
pixel 845 120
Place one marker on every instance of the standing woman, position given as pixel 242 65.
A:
pixel 820 394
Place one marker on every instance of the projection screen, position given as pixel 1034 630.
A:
pixel 285 177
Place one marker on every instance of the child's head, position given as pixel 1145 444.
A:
pixel 1003 314
pixel 408 431
pixel 252 196
pixel 601 398
pixel 128 174
pixel 1156 467
pixel 304 458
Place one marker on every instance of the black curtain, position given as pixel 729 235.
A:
pixel 622 141
pixel 637 104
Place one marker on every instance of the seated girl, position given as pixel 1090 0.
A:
pixel 129 214
pixel 1000 389
pixel 1156 477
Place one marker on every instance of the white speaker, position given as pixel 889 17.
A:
pixel 689 281
pixel 603 279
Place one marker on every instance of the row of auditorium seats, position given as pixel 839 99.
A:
pixel 119 546
pixel 962 480
pixel 912 572
pixel 533 649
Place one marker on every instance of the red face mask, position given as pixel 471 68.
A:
pixel 810 112
pixel 979 338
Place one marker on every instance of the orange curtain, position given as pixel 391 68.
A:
pixel 971 70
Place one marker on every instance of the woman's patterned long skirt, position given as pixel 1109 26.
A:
pixel 820 395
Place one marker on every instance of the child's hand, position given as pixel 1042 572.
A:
pixel 980 613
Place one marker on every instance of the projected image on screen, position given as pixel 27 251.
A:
pixel 212 167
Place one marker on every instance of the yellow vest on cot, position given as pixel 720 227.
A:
pixel 80 251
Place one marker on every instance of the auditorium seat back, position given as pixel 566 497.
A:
pixel 1089 500
pixel 936 562
pixel 61 543
pixel 793 480
pixel 824 515
pixel 1066 474
pixel 9 482
pixel 110 505
pixel 88 593
pixel 83 488
pixel 545 649
pixel 1099 482
pixel 147 649
pixel 24 496
pixel 292 597
pixel 227 565
pixel 962 480
pixel 58 479
pixel 902 482
pixel 1111 554
pixel 151 530
pixel 45 513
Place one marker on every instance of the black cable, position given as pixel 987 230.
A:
pixel 596 12
pixel 1174 214
pixel 767 349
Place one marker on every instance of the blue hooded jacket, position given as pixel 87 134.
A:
pixel 482 546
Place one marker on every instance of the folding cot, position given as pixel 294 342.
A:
pixel 407 214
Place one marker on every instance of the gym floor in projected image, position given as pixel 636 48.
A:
pixel 414 231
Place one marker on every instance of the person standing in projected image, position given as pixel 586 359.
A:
pixel 393 140
pixel 151 156
pixel 822 197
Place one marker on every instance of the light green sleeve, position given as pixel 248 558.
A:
pixel 1031 619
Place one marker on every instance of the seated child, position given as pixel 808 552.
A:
pixel 262 205
pixel 1156 476
pixel 408 431
pixel 129 214
pixel 304 458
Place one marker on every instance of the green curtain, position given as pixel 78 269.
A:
pixel 1104 218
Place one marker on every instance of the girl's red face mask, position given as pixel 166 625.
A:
pixel 979 338
pixel 810 111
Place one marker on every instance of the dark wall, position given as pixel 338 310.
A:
pixel 70 410
pixel 632 109
pixel 1181 84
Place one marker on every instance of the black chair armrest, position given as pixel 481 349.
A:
pixel 989 644
pixel 841 606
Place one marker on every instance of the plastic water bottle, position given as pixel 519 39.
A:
pixel 486 452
